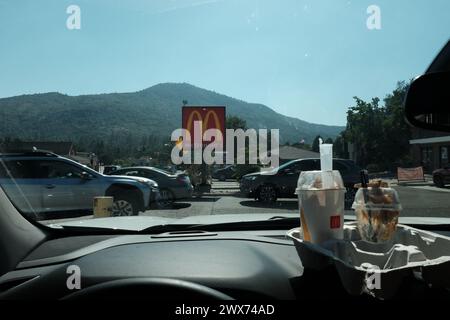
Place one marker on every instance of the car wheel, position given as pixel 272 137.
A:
pixel 349 198
pixel 438 181
pixel 267 193
pixel 166 198
pixel 124 205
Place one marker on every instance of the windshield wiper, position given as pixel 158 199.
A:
pixel 161 228
pixel 274 223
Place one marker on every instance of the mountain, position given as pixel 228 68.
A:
pixel 153 111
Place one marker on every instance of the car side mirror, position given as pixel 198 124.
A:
pixel 427 103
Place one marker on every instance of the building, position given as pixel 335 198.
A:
pixel 430 149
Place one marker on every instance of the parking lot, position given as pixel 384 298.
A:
pixel 420 199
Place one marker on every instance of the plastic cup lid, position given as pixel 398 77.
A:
pixel 319 180
pixel 377 199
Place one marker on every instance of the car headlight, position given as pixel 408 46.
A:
pixel 251 178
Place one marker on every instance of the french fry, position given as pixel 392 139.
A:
pixel 374 183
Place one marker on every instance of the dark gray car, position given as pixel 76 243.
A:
pixel 223 174
pixel 171 186
pixel 283 180
pixel 441 177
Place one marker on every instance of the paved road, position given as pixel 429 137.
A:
pixel 417 200
pixel 427 201
pixel 219 204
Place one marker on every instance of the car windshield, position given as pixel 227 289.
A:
pixel 171 92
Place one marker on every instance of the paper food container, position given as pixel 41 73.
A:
pixel 379 269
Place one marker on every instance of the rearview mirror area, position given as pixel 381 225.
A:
pixel 427 103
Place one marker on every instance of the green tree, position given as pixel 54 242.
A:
pixel 315 144
pixel 379 134
pixel 234 122
pixel 340 148
pixel 396 132
pixel 364 130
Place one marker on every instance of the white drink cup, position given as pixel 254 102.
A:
pixel 321 196
pixel 326 156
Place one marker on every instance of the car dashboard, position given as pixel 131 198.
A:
pixel 242 265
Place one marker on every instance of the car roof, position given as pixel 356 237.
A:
pixel 31 154
pixel 42 156
pixel 334 159
pixel 144 168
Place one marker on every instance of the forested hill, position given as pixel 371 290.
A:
pixel 155 111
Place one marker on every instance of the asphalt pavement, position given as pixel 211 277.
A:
pixel 417 200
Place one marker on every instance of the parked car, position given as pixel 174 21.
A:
pixel 42 182
pixel 282 181
pixel 110 168
pixel 224 173
pixel 441 177
pixel 171 186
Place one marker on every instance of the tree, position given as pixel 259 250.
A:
pixel 379 134
pixel 329 140
pixel 234 122
pixel 340 148
pixel 364 130
pixel 315 144
pixel 185 102
pixel 396 132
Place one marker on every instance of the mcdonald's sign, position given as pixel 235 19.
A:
pixel 211 117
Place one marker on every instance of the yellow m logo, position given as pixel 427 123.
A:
pixel 190 121
pixel 196 115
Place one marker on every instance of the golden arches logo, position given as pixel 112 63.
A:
pixel 198 117
pixel 210 113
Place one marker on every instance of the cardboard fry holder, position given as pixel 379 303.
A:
pixel 379 269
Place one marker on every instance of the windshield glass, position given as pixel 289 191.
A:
pixel 195 103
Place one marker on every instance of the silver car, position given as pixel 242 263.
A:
pixel 40 183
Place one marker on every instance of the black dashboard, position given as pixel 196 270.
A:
pixel 242 265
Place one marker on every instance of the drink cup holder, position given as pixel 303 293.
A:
pixel 378 269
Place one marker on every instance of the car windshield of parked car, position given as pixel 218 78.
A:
pixel 194 108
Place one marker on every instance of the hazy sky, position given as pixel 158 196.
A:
pixel 305 59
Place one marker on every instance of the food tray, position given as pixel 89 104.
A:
pixel 379 268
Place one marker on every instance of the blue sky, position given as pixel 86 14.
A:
pixel 305 59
